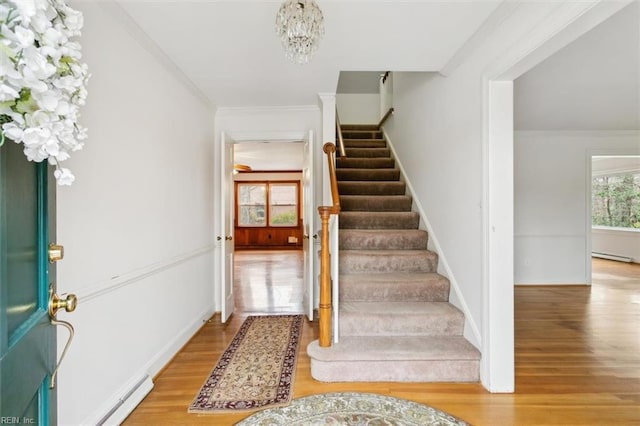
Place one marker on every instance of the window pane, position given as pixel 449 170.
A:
pixel 616 200
pixel 251 204
pixel 283 209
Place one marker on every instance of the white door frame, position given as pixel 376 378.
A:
pixel 247 137
pixel 569 21
pixel 308 214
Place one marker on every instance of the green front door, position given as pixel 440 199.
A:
pixel 27 338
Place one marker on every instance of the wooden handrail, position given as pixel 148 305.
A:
pixel 387 115
pixel 324 309
pixel 343 152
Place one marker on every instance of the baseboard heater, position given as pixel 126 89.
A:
pixel 611 257
pixel 127 403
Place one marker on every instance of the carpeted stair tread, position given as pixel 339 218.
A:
pixel 365 143
pixel 400 319
pixel 365 163
pixel 396 359
pixel 397 348
pixel 380 203
pixel 379 220
pixel 382 261
pixel 383 239
pixel 394 287
pixel 367 174
pixel 396 323
pixel 371 188
pixel 367 152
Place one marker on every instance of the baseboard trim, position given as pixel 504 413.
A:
pixel 128 402
pixel 126 399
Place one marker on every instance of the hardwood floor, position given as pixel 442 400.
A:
pixel 268 281
pixel 577 360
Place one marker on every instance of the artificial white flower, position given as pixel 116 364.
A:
pixel 8 93
pixel 42 81
pixel 64 176
pixel 24 37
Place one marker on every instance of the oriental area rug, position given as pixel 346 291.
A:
pixel 257 368
pixel 351 409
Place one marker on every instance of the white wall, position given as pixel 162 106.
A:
pixel 552 220
pixel 439 129
pixel 361 108
pixel 137 225
pixel 444 165
pixel 617 242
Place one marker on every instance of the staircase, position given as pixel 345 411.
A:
pixel 396 323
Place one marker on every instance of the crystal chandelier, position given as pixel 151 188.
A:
pixel 300 25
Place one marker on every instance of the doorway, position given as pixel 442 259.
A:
pixel 269 260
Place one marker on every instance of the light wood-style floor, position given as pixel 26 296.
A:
pixel 577 356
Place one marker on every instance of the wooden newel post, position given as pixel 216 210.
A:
pixel 325 280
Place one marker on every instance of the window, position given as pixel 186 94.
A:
pixel 283 204
pixel 616 200
pixel 251 204
pixel 261 204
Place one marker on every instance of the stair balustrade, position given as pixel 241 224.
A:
pixel 384 118
pixel 325 212
pixel 339 134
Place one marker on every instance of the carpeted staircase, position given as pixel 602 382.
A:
pixel 396 323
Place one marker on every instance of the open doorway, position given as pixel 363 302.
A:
pixel 615 207
pixel 268 233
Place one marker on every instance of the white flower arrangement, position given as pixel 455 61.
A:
pixel 42 81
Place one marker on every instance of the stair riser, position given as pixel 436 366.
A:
pixel 353 263
pixel 400 291
pixel 382 220
pixel 409 324
pixel 370 127
pixel 367 174
pixel 396 371
pixel 376 204
pixel 366 188
pixel 368 152
pixel 349 240
pixel 361 134
pixel 365 143
pixel 365 163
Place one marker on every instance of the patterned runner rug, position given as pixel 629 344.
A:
pixel 351 409
pixel 256 370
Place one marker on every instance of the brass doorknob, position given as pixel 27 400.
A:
pixel 56 303
pixel 228 238
pixel 305 237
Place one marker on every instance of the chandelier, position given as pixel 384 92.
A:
pixel 300 25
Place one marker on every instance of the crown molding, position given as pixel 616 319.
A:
pixel 116 10
pixel 258 110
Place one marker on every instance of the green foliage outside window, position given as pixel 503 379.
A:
pixel 287 218
pixel 616 200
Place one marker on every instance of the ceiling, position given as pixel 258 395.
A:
pixel 266 156
pixel 229 50
pixel 590 84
